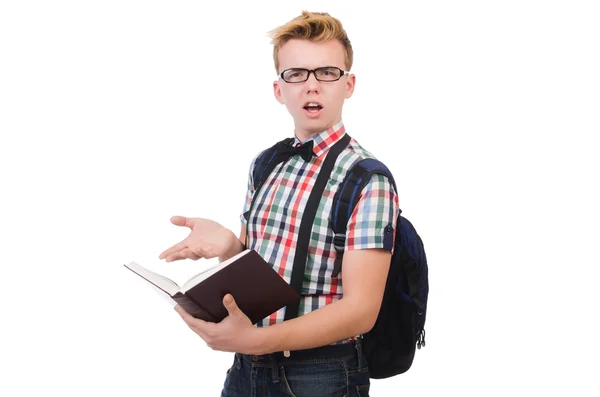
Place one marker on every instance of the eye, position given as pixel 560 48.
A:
pixel 328 74
pixel 295 74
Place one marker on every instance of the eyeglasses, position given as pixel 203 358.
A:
pixel 300 75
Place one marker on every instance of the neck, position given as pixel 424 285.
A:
pixel 304 135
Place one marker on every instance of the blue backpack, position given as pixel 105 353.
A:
pixel 391 344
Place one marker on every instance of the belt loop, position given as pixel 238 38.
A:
pixel 274 368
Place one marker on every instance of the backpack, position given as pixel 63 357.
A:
pixel 390 345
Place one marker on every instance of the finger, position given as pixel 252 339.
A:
pixel 230 305
pixel 181 311
pixel 185 253
pixel 200 252
pixel 190 254
pixel 197 325
pixel 176 256
pixel 181 221
pixel 177 247
pixel 188 318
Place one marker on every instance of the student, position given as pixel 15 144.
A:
pixel 319 353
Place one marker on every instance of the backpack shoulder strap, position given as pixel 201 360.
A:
pixel 346 199
pixel 263 166
pixel 265 163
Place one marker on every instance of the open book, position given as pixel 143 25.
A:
pixel 257 289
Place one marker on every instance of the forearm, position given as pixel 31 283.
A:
pixel 334 322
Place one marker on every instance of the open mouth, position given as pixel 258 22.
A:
pixel 313 108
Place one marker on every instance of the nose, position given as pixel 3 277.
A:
pixel 312 84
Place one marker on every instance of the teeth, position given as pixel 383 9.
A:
pixel 312 104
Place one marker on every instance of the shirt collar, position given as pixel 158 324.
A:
pixel 326 138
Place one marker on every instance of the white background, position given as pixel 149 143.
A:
pixel 115 115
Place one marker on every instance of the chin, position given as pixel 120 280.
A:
pixel 314 128
pixel 312 125
pixel 315 125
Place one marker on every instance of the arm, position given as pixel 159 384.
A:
pixel 365 275
pixel 207 239
pixel 365 268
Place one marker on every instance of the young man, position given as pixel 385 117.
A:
pixel 319 353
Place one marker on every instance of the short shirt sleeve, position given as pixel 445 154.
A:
pixel 373 222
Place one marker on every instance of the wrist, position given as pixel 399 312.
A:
pixel 259 341
pixel 234 247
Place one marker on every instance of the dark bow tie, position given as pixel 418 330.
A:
pixel 285 150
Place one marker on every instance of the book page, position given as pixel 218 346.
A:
pixel 160 281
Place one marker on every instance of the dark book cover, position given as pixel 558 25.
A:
pixel 257 289
pixel 192 307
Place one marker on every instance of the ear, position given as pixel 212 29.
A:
pixel 350 83
pixel 277 92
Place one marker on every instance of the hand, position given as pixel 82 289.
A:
pixel 234 334
pixel 208 239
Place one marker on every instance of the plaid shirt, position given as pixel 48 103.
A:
pixel 274 226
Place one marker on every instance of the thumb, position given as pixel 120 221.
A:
pixel 230 305
pixel 180 221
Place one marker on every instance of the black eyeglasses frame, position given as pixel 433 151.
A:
pixel 314 71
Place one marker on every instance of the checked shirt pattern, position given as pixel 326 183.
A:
pixel 275 220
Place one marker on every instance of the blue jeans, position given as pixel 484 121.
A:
pixel 328 371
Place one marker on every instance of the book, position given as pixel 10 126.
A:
pixel 256 287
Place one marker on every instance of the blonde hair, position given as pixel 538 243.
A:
pixel 314 26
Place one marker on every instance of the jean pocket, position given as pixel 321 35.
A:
pixel 319 379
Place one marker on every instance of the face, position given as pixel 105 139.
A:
pixel 329 95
